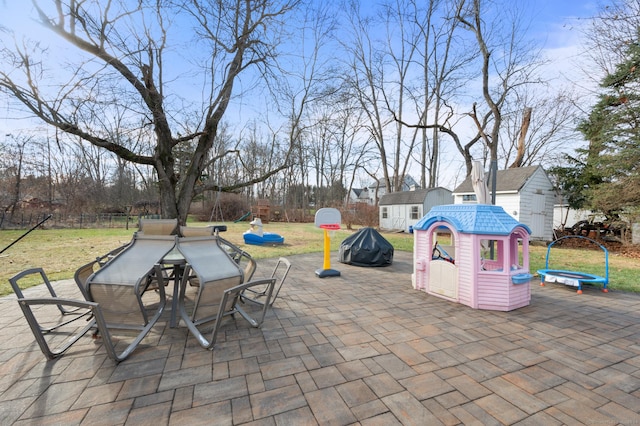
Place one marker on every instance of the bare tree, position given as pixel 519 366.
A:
pixel 608 36
pixel 304 88
pixel 379 71
pixel 133 56
pixel 14 163
pixel 444 61
pixel 551 130
pixel 508 63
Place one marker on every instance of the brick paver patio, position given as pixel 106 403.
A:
pixel 363 348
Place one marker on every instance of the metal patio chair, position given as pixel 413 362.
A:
pixel 54 340
pixel 158 227
pixel 118 287
pixel 259 295
pixel 220 281
pixel 245 260
pixel 83 273
pixel 71 315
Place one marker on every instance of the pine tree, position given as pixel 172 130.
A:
pixel 605 177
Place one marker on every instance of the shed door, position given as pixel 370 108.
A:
pixel 398 217
pixel 538 216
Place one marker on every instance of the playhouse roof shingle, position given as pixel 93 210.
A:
pixel 472 219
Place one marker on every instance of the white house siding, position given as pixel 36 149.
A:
pixel 563 215
pixel 411 222
pixel 457 199
pixel 385 223
pixel 511 203
pixel 536 199
pixel 399 215
pixel 520 205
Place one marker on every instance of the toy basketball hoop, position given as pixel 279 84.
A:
pixel 328 219
pixel 331 227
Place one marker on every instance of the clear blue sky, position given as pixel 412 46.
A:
pixel 554 23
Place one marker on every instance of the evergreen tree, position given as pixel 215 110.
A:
pixel 605 177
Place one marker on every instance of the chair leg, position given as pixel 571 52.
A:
pixel 280 272
pixel 230 298
pixel 106 335
pixel 39 332
pixel 268 293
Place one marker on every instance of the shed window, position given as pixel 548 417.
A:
pixel 384 213
pixel 415 212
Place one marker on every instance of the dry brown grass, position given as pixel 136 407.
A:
pixel 61 251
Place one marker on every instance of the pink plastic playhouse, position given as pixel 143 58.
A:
pixel 473 254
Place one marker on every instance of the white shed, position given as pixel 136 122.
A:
pixel 565 217
pixel 401 210
pixel 525 193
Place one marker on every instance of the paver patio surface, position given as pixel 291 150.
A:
pixel 363 348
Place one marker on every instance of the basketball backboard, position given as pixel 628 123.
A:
pixel 328 216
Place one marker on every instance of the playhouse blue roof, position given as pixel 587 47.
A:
pixel 472 219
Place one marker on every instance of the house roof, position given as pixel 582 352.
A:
pixel 509 180
pixel 406 197
pixel 407 180
pixel 472 219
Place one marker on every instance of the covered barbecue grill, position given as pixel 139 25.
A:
pixel 366 248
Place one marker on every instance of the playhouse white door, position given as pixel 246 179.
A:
pixel 443 279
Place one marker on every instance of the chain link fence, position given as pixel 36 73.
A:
pixel 58 220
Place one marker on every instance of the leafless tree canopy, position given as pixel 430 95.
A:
pixel 293 100
pixel 120 87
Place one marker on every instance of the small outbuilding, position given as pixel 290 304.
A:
pixel 475 254
pixel 400 211
pixel 525 193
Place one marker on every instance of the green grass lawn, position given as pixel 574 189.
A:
pixel 61 251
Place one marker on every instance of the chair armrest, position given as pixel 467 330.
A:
pixel 236 294
pixel 245 286
pixel 28 301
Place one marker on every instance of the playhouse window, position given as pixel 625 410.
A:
pixel 443 244
pixel 492 255
pixel 415 212
pixel 384 213
pixel 517 252
pixel 444 236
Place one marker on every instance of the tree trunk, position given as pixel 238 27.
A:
pixel 526 120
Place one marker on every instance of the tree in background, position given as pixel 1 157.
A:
pixel 127 60
pixel 176 101
pixel 605 176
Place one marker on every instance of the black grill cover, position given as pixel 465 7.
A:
pixel 366 248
